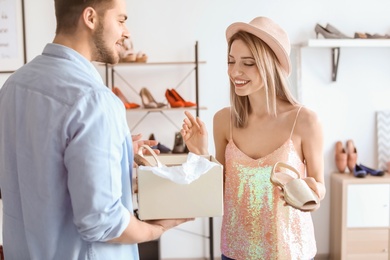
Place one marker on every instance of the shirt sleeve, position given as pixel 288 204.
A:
pixel 96 131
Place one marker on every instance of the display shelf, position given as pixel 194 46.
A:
pixel 149 111
pixel 336 44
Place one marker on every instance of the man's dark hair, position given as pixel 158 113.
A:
pixel 68 12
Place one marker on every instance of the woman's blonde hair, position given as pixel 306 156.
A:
pixel 275 80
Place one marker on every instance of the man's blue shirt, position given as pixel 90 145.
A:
pixel 65 161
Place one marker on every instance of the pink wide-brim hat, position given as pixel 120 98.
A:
pixel 271 33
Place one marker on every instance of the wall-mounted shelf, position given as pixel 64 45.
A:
pixel 336 44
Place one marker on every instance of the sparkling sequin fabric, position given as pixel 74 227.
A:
pixel 256 224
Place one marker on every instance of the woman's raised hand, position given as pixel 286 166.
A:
pixel 194 134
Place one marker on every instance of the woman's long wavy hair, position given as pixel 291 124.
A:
pixel 275 80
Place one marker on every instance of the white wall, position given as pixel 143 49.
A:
pixel 167 31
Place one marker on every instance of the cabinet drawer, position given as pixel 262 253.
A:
pixel 368 205
pixel 367 244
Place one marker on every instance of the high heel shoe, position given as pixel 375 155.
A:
pixel 179 98
pixel 334 30
pixel 329 32
pixel 148 100
pixel 352 156
pixel 173 102
pixel 127 104
pixel 340 157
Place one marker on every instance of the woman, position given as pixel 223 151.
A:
pixel 263 125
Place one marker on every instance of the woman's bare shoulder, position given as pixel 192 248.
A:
pixel 308 120
pixel 222 115
pixel 222 122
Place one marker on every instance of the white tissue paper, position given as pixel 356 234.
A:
pixel 189 171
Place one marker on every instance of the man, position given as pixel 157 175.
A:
pixel 66 152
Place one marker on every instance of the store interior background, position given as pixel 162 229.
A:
pixel 167 31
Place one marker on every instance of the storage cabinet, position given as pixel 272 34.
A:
pixel 360 217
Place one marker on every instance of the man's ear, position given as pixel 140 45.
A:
pixel 90 17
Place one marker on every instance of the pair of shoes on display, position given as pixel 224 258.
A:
pixel 162 148
pixel 119 94
pixel 329 32
pixel 129 55
pixel 148 100
pixel 360 35
pixel 175 100
pixel 345 157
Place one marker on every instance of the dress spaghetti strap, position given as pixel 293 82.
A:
pixel 231 126
pixel 295 121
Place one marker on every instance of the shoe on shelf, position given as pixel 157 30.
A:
pixel 352 155
pixel 371 171
pixel 173 102
pixel 334 30
pixel 360 35
pixel 359 172
pixel 127 104
pixel 340 157
pixel 148 100
pixel 179 145
pixel 162 148
pixel 179 98
pixel 141 57
pixel 129 55
pixel 377 36
pixel 326 33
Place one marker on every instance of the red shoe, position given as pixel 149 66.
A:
pixel 127 104
pixel 179 98
pixel 172 100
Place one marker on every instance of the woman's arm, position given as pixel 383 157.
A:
pixel 310 130
pixel 221 133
